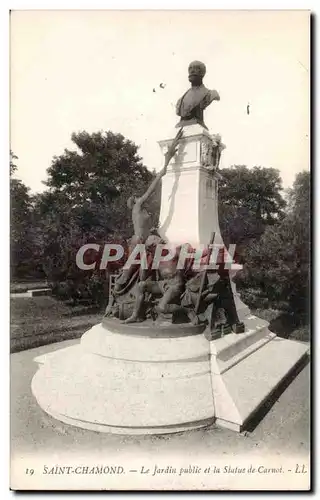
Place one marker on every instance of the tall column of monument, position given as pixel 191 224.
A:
pixel 189 196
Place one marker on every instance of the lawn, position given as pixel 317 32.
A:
pixel 284 324
pixel 37 321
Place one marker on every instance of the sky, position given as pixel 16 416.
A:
pixel 96 70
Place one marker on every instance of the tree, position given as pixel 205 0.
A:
pixel 97 179
pixel 13 166
pixel 276 272
pixel 249 201
pixel 86 201
pixel 299 197
pixel 20 220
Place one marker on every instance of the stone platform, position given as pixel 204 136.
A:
pixel 247 368
pixel 138 382
pixel 126 383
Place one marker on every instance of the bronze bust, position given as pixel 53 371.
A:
pixel 191 105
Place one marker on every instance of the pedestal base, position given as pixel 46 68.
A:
pixel 131 384
pixel 126 384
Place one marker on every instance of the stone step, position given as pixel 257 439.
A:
pixel 232 347
pixel 224 364
pixel 241 390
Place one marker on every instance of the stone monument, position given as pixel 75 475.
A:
pixel 176 349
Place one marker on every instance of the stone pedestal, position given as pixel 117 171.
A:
pixel 140 383
pixel 131 383
pixel 189 195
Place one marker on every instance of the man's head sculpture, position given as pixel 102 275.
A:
pixel 191 105
pixel 196 71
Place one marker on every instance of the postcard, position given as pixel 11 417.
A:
pixel 160 250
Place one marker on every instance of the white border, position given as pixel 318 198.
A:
pixel 163 5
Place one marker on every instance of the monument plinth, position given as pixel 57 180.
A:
pixel 147 382
pixel 189 191
pixel 177 349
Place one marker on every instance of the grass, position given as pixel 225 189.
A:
pixel 284 324
pixel 38 321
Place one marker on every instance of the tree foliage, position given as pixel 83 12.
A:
pixel 249 201
pixel 13 166
pixel 86 202
pixel 95 181
pixel 21 242
pixel 277 265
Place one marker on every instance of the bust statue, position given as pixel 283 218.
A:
pixel 191 105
